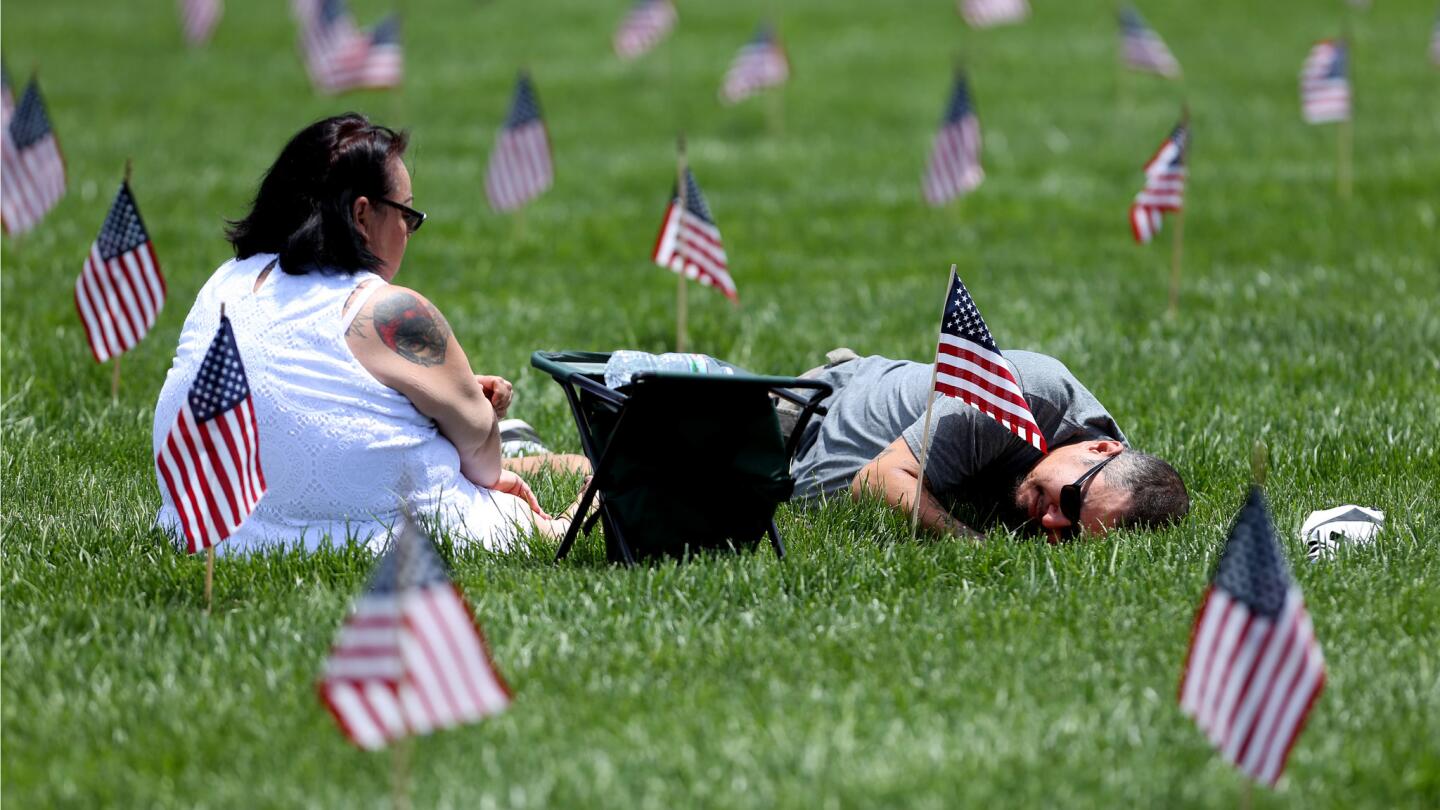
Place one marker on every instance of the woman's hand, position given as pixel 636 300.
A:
pixel 498 390
pixel 512 484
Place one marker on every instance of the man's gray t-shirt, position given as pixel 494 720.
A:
pixel 973 458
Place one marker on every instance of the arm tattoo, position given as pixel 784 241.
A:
pixel 357 325
pixel 412 328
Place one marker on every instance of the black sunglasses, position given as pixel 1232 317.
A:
pixel 1072 496
pixel 413 219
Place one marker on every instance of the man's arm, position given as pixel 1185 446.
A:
pixel 892 476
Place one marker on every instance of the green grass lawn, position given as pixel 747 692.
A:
pixel 864 670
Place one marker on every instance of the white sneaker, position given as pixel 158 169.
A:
pixel 518 439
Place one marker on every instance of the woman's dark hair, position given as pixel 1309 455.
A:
pixel 303 208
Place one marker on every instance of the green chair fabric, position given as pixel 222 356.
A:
pixel 683 462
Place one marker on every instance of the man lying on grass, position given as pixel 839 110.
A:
pixel 1090 481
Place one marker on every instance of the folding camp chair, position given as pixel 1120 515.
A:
pixel 682 462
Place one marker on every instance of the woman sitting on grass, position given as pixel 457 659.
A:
pixel 362 394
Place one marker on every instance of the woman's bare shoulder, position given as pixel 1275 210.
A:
pixel 405 322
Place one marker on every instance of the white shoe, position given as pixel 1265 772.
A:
pixel 519 439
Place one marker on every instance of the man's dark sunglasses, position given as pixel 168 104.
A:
pixel 1072 496
pixel 413 219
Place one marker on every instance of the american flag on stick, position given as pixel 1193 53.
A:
pixel 1164 185
pixel 198 19
pixel 968 366
pixel 954 167
pixel 120 290
pixel 339 56
pixel 1254 668
pixel 210 461
pixel 689 241
pixel 990 13
pixel 647 24
pixel 1325 83
pixel 1143 49
pixel 520 166
pixel 410 658
pixel 1435 43
pixel 32 180
pixel 760 64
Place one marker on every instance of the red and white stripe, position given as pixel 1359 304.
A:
pixel 985 380
pixel 644 27
pixel 1324 99
pixel 954 167
pixel 335 53
pixel 1164 190
pixel 198 19
pixel 212 472
pixel 119 299
pixel 757 67
pixel 1250 681
pixel 33 181
pixel 692 247
pixel 521 167
pixel 1147 51
pixel 407 663
pixel 382 67
pixel 989 13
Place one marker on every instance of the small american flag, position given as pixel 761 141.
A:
pixel 969 367
pixel 954 167
pixel 384 64
pixel 120 290
pixel 1142 48
pixel 198 19
pixel 339 56
pixel 648 22
pixel 1254 668
pixel 689 241
pixel 760 64
pixel 1435 43
pixel 210 462
pixel 33 177
pixel 1325 83
pixel 409 658
pixel 520 167
pixel 1164 185
pixel 990 13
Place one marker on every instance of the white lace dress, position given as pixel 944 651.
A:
pixel 336 445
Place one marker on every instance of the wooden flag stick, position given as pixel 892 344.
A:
pixel 400 774
pixel 929 411
pixel 1345 139
pixel 1259 460
pixel 115 370
pixel 519 233
pixel 775 109
pixel 209 579
pixel 1177 238
pixel 680 292
pixel 1245 793
pixel 210 551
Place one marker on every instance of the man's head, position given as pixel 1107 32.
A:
pixel 1132 489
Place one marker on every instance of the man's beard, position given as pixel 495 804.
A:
pixel 1013 515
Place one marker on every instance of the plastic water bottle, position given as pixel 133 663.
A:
pixel 624 365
